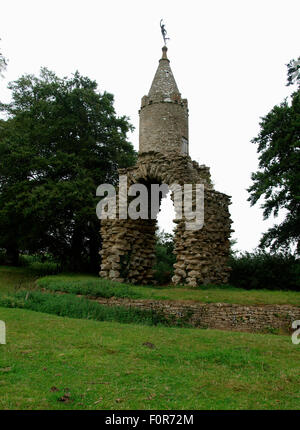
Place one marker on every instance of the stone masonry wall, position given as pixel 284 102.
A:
pixel 254 318
pixel 128 250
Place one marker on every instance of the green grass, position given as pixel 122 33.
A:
pixel 104 365
pixel 96 287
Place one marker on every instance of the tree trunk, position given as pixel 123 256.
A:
pixel 12 255
pixel 94 257
pixel 76 250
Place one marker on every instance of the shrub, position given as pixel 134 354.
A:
pixel 44 269
pixel 260 270
pixel 26 260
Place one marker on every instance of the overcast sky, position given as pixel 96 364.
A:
pixel 228 58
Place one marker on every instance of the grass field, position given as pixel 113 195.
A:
pixel 52 362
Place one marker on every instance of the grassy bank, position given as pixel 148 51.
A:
pixel 14 279
pixel 95 287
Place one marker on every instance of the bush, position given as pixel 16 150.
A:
pixel 260 270
pixel 163 268
pixel 44 269
pixel 26 260
pixel 39 265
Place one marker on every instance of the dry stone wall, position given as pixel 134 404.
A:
pixel 224 316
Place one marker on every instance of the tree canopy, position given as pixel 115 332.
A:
pixel 277 180
pixel 61 139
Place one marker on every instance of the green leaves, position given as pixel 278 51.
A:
pixel 61 140
pixel 278 179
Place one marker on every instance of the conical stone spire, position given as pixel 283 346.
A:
pixel 164 84
pixel 164 114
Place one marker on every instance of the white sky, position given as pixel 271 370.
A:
pixel 228 58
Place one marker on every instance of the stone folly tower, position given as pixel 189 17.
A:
pixel 128 245
pixel 163 114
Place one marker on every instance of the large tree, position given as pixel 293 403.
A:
pixel 60 141
pixel 278 179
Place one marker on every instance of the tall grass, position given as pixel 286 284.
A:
pixel 74 307
pixel 90 287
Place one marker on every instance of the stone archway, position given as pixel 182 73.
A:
pixel 201 255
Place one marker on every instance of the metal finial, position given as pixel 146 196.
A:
pixel 163 32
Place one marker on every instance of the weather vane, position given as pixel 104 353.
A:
pixel 163 32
